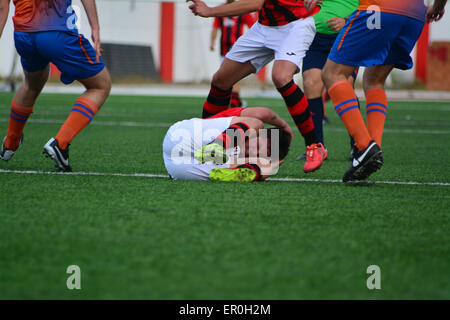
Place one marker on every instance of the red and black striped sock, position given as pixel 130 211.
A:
pixel 253 167
pixel 234 136
pixel 218 100
pixel 298 108
pixel 235 100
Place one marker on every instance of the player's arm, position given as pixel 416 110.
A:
pixel 268 116
pixel 237 8
pixel 91 11
pixel 436 12
pixel 213 38
pixel 4 12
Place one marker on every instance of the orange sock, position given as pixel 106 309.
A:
pixel 82 113
pixel 346 105
pixel 17 121
pixel 376 109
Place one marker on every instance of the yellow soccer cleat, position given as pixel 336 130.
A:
pixel 232 175
pixel 212 152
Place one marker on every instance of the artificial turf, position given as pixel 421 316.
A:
pixel 153 238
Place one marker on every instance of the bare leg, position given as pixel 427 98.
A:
pixel 283 72
pixel 97 87
pixel 312 81
pixel 22 107
pixel 85 108
pixel 28 92
pixel 375 77
pixel 230 72
pixel 335 72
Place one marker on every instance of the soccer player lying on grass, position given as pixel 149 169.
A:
pixel 44 32
pixel 230 146
pixel 381 41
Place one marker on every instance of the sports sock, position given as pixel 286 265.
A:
pixel 218 100
pixel 317 111
pixel 376 109
pixel 346 105
pixel 233 136
pixel 298 108
pixel 82 113
pixel 253 167
pixel 235 99
pixel 352 141
pixel 17 121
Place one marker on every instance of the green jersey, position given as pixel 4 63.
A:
pixel 331 9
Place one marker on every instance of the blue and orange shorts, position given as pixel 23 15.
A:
pixel 70 52
pixel 363 42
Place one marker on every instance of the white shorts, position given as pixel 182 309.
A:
pixel 183 139
pixel 261 44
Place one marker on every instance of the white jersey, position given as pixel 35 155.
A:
pixel 183 139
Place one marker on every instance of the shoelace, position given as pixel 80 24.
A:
pixel 310 151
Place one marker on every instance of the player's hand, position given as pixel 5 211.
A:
pixel 211 47
pixel 288 129
pixel 309 4
pixel 336 24
pixel 199 8
pixel 97 44
pixel 435 14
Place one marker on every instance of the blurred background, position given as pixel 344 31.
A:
pixel 153 42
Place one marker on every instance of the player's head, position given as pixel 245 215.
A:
pixel 230 1
pixel 272 142
pixel 279 140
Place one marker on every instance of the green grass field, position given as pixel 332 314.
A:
pixel 153 238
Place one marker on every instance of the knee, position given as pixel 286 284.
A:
pixel 313 86
pixel 220 81
pixel 280 79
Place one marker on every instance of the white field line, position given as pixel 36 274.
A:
pixel 149 175
pixel 167 125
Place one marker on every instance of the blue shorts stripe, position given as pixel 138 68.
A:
pixel 84 107
pixel 18 120
pixel 18 115
pixel 376 104
pixel 348 109
pixel 344 103
pixel 376 110
pixel 84 114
